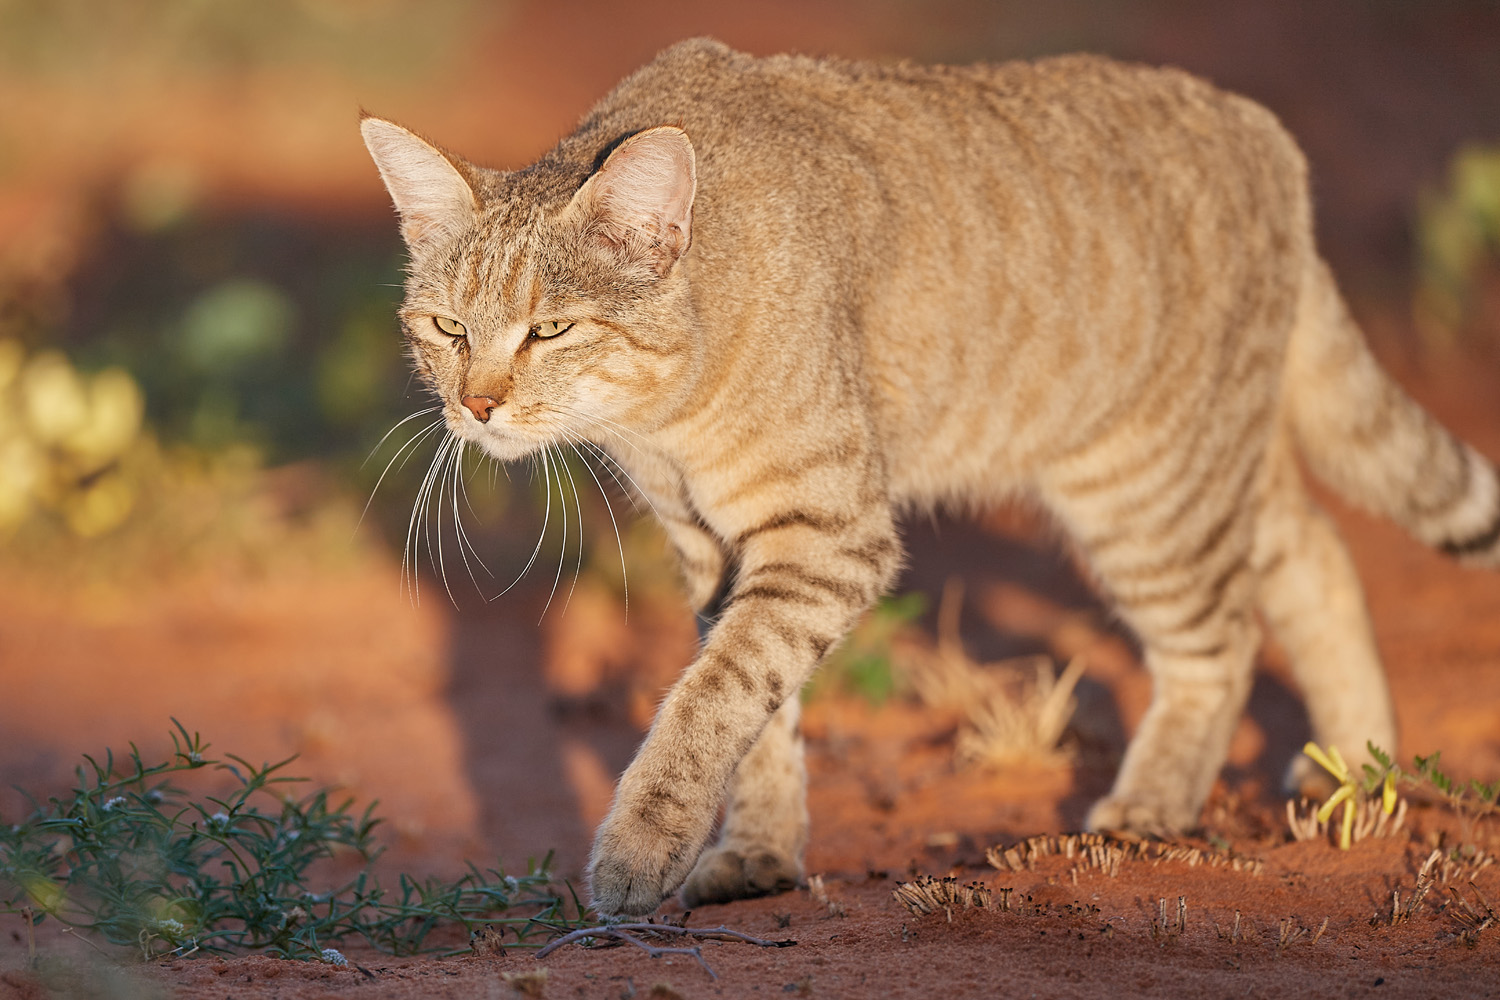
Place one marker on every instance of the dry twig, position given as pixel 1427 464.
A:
pixel 636 934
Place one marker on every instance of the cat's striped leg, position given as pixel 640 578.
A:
pixel 764 834
pixel 803 577
pixel 1171 544
pixel 1311 597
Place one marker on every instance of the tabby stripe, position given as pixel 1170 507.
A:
pixel 797 518
pixel 1455 494
pixel 820 644
pixel 1382 418
pixel 1216 589
pixel 838 588
pixel 870 553
pixel 634 341
pixel 834 455
pixel 513 278
pixel 771 592
pixel 1482 542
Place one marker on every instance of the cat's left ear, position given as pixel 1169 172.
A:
pixel 640 203
pixel 432 196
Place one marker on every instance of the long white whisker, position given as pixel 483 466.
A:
pixel 437 516
pixel 604 423
pixel 464 545
pixel 424 518
pixel 578 509
pixel 411 444
pixel 539 459
pixel 619 543
pixel 562 551
pixel 609 427
pixel 609 461
pixel 386 436
pixel 409 550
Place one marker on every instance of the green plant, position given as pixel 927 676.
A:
pixel 1352 785
pixel 1471 800
pixel 133 858
pixel 861 664
pixel 1458 229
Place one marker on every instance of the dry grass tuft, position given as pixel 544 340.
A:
pixel 1370 820
pixel 930 895
pixel 1098 852
pixel 1011 712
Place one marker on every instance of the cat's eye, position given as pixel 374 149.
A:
pixel 451 327
pixel 544 331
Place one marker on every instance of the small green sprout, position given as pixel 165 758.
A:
pixel 1349 786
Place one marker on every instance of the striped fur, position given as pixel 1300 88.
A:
pixel 807 295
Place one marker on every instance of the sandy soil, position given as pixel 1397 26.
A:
pixel 483 734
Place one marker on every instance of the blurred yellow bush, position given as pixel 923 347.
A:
pixel 64 437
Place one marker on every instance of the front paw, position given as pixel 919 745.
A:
pixel 634 866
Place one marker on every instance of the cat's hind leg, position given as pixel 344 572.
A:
pixel 1311 598
pixel 1171 543
pixel 764 832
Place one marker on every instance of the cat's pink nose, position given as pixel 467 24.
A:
pixel 480 406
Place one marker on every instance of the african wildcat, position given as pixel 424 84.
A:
pixel 796 297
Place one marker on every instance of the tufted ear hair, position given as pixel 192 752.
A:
pixel 432 194
pixel 640 203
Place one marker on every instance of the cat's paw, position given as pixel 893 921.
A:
pixel 1305 778
pixel 1122 814
pixel 634 867
pixel 723 874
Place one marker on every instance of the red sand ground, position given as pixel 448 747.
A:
pixel 482 734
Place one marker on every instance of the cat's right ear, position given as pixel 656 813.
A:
pixel 432 196
pixel 639 204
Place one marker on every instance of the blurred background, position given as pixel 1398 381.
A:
pixel 199 365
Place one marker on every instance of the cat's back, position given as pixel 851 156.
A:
pixel 789 105
pixel 975 240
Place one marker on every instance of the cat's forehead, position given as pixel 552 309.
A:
pixel 514 261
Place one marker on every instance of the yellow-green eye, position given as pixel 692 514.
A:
pixel 551 328
pixel 451 327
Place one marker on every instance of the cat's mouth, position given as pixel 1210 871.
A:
pixel 504 443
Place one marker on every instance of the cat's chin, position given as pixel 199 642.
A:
pixel 506 447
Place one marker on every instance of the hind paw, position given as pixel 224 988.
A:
pixel 723 874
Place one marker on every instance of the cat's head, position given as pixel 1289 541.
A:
pixel 547 304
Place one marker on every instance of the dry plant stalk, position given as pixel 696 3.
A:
pixel 1472 918
pixel 1098 852
pixel 1370 820
pixel 929 895
pixel 819 893
pixel 1007 716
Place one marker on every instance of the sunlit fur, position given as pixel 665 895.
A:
pixel 808 295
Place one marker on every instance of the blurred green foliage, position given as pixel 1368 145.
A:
pixel 260 330
pixel 1458 238
pixel 861 665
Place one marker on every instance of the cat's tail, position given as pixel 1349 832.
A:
pixel 1367 439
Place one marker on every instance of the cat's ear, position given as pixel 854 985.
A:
pixel 640 203
pixel 433 197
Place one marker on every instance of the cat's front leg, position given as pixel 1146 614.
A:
pixel 803 579
pixel 764 835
